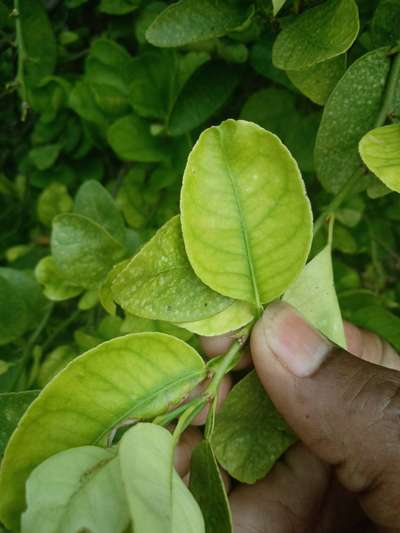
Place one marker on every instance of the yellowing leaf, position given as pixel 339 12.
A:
pixel 246 218
pixel 160 284
pixel 318 34
pixel 313 295
pixel 137 376
pixel 76 490
pixel 156 504
pixel 380 151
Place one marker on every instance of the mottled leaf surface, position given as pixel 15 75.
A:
pixel 208 488
pixel 12 407
pixel 159 501
pixel 313 295
pixel 318 81
pixel 55 287
pixel 250 435
pixel 349 113
pixel 318 34
pixel 380 151
pixel 246 219
pixel 189 21
pixel 76 490
pixel 136 376
pixel 159 283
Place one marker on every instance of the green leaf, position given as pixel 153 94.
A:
pixel 55 286
pixel 83 251
pixel 118 7
pixel 54 362
pixel 21 304
pixel 76 490
pixel 82 101
pixel 95 202
pixel 318 34
pixel 208 488
pixel 246 218
pixel 205 92
pixel 277 6
pixel 350 112
pixel 12 407
pixel 159 282
pixel 44 157
pixel 158 499
pixel 134 377
pixel 131 140
pixel 380 151
pixel 261 61
pixel 233 317
pixel 385 25
pixel 318 81
pixel 249 435
pixel 313 295
pixel 39 44
pixel 52 201
pixel 189 21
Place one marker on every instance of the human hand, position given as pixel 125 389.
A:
pixel 345 474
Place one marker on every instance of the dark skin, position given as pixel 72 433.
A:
pixel 344 475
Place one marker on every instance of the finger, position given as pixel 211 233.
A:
pixel 184 449
pixel 223 391
pixel 214 346
pixel 370 347
pixel 287 500
pixel 345 409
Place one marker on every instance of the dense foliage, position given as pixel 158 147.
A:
pixel 101 105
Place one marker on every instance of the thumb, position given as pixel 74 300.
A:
pixel 346 410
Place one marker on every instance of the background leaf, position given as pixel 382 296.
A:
pixel 12 407
pixel 136 376
pixel 318 34
pixel 254 184
pixel 63 494
pixel 249 435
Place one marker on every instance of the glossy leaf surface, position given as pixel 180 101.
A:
pixel 313 295
pixel 136 376
pixel 159 282
pixel 350 112
pixel 246 219
pixel 380 151
pixel 159 501
pixel 249 435
pixel 318 34
pixel 76 490
pixel 208 488
pixel 189 21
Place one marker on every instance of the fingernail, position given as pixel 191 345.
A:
pixel 298 347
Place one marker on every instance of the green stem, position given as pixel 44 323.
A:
pixel 22 56
pixel 385 112
pixel 167 418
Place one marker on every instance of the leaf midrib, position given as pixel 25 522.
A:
pixel 242 223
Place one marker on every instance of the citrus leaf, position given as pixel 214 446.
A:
pixel 53 201
pixel 208 488
pixel 349 113
pixel 156 504
pixel 385 25
pixel 205 92
pixel 95 202
pixel 131 140
pixel 55 287
pixel 83 250
pixel 318 81
pixel 380 151
pixel 249 434
pixel 246 218
pixel 136 376
pixel 12 407
pixel 313 295
pixel 277 6
pixel 159 283
pixel 235 316
pixel 76 490
pixel 318 34
pixel 189 21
